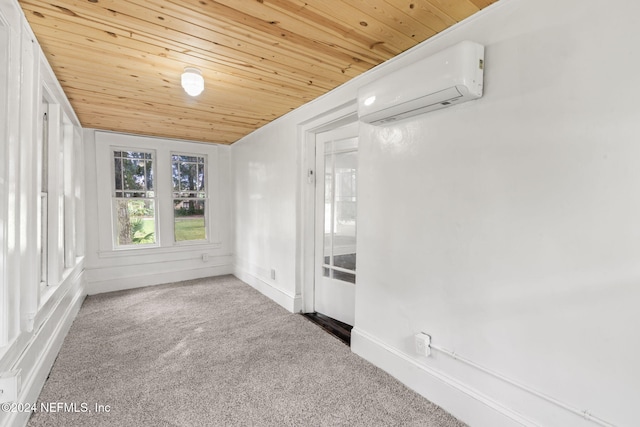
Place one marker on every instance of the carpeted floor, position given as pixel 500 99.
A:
pixel 215 352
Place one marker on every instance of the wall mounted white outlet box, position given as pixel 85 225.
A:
pixel 205 257
pixel 9 386
pixel 423 344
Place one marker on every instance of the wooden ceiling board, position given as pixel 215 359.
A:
pixel 209 43
pixel 133 61
pixel 147 72
pixel 482 3
pixel 455 9
pixel 393 17
pixel 301 17
pixel 120 61
pixel 283 28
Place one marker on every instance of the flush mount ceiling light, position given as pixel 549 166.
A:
pixel 192 81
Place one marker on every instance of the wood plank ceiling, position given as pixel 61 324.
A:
pixel 120 61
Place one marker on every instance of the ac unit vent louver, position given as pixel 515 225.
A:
pixel 449 77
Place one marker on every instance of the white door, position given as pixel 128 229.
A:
pixel 335 236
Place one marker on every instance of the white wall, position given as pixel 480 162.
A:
pixel 110 269
pixel 507 228
pixel 35 315
pixel 265 181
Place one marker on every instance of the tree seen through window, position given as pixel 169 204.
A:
pixel 134 198
pixel 189 197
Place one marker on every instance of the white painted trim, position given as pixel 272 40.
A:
pixel 581 413
pixel 462 401
pixel 292 303
pixel 29 173
pixel 305 262
pixel 5 46
pixel 149 137
pixel 37 359
pixel 127 253
pixel 48 79
pixel 140 281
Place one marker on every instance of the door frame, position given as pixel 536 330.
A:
pixel 342 115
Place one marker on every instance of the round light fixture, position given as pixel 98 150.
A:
pixel 192 81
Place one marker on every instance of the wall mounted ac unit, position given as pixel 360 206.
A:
pixel 449 77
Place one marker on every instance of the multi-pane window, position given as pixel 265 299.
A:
pixel 189 197
pixel 340 189
pixel 134 198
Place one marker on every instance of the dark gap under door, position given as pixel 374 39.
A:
pixel 340 330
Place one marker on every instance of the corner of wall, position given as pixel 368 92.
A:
pixel 292 303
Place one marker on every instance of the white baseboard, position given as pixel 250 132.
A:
pixel 460 400
pixel 292 303
pixel 142 280
pixel 37 359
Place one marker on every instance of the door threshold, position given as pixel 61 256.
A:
pixel 338 329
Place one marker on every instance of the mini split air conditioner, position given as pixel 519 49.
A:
pixel 449 77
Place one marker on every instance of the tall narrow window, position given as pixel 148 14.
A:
pixel 189 197
pixel 60 203
pixel 134 198
pixel 43 219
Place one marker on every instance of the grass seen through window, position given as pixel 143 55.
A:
pixel 189 197
pixel 185 228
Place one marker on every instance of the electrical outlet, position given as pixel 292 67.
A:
pixel 422 342
pixel 273 274
pixel 205 257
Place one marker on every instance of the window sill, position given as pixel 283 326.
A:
pixel 46 291
pixel 182 247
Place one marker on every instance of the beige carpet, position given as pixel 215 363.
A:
pixel 215 352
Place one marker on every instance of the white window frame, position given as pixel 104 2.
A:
pixel 103 182
pixel 207 199
pixel 68 187
pixel 43 201
pixel 115 198
pixel 51 239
